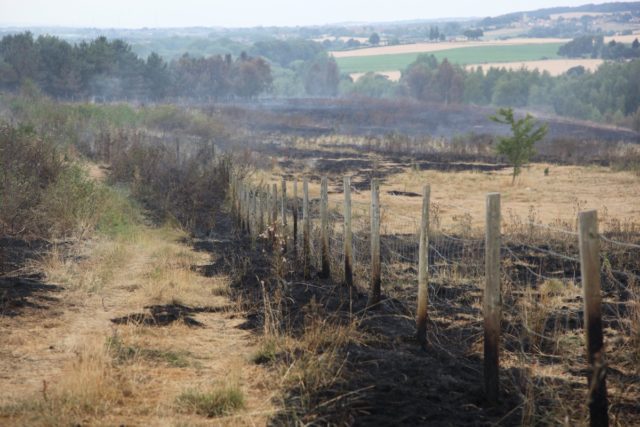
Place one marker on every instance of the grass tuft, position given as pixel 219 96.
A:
pixel 267 353
pixel 223 400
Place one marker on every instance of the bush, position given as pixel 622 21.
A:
pixel 45 194
pixel 29 167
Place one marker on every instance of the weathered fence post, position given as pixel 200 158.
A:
pixel 284 215
pixel 423 270
pixel 247 212
pixel 274 214
pixel 492 299
pixel 295 217
pixel 267 194
pixel 348 237
pixel 324 227
pixel 589 241
pixel 239 204
pixel 274 191
pixel 261 210
pixel 374 296
pixel 283 204
pixel 247 219
pixel 252 214
pixel 232 199
pixel 306 230
pixel 245 209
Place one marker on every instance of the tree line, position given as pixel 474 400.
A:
pixel 610 94
pixel 595 47
pixel 109 70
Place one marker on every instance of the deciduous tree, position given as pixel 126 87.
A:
pixel 519 147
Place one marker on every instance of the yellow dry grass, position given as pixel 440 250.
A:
pixel 552 199
pixel 629 38
pixel 555 67
pixel 73 366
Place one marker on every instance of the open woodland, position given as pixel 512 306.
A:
pixel 234 232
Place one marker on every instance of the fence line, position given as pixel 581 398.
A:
pixel 358 244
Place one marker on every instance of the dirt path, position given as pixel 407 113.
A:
pixel 125 328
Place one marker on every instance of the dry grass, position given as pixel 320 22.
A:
pixel 545 356
pixel 81 369
pixel 460 196
pixel 219 400
pixel 309 359
pixel 556 197
pixel 90 389
pixel 555 67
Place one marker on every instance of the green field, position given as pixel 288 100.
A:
pixel 462 56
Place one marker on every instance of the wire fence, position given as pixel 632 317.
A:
pixel 542 295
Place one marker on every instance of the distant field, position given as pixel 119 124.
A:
pixel 440 46
pixel 462 56
pixel 555 67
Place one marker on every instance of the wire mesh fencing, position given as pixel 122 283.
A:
pixel 541 267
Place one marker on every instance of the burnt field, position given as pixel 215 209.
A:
pixel 384 377
pixel 567 140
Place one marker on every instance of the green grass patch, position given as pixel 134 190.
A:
pixel 119 214
pixel 461 56
pixel 223 400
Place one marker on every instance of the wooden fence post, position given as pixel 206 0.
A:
pixel 245 209
pixel 423 270
pixel 239 210
pixel 283 207
pixel 295 217
pixel 589 241
pixel 374 296
pixel 324 227
pixel 250 212
pixel 492 299
pixel 306 229
pixel 232 199
pixel 274 213
pixel 254 214
pixel 267 194
pixel 274 191
pixel 348 237
pixel 283 204
pixel 260 210
pixel 247 219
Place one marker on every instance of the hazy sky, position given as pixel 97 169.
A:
pixel 242 13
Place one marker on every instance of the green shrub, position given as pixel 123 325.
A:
pixel 29 167
pixel 43 195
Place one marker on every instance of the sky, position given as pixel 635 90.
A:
pixel 248 13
